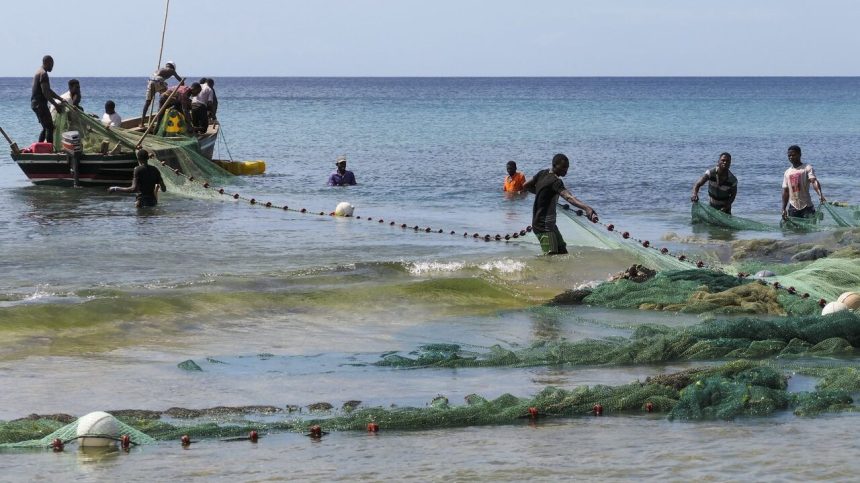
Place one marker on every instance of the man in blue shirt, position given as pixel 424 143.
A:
pixel 341 177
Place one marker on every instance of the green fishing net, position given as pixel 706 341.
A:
pixel 179 154
pixel 12 433
pixel 705 213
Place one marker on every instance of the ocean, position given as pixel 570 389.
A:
pixel 100 302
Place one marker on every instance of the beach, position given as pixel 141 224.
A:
pixel 100 302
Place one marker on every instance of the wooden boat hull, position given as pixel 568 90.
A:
pixel 93 169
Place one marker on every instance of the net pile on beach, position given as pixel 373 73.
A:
pixel 828 216
pixel 178 153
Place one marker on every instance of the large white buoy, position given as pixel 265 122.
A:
pixel 851 299
pixel 833 307
pixel 97 429
pixel 344 209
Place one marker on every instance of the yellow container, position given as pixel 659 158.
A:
pixel 243 168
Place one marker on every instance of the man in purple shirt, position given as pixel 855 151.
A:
pixel 341 177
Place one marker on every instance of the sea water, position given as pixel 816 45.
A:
pixel 99 301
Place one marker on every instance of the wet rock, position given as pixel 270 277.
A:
pixel 571 297
pixel 135 414
pixel 320 406
pixel 636 273
pixel 350 405
pixel 183 413
pixel 59 417
pixel 813 253
pixel 189 365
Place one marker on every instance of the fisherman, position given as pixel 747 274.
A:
pixel 181 100
pixel 547 187
pixel 515 180
pixel 213 106
pixel 42 95
pixel 158 83
pixel 110 117
pixel 72 96
pixel 722 185
pixel 796 201
pixel 341 176
pixel 146 182
pixel 200 107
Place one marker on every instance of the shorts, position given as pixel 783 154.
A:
pixel 551 242
pixel 807 212
pixel 155 84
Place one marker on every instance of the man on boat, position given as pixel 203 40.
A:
pixel 41 95
pixel 515 180
pixel 181 99
pixel 547 187
pixel 110 117
pixel 158 83
pixel 213 106
pixel 722 185
pixel 72 96
pixel 341 176
pixel 796 201
pixel 146 181
pixel 200 107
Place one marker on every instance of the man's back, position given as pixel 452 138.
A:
pixel 147 177
pixel 37 95
pixel 547 186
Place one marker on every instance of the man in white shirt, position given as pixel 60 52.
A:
pixel 72 96
pixel 200 107
pixel 110 117
pixel 796 201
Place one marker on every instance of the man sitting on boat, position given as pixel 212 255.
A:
pixel 72 96
pixel 722 185
pixel 110 117
pixel 146 181
pixel 158 83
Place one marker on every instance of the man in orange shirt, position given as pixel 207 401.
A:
pixel 514 181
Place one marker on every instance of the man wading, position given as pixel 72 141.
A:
pixel 147 179
pixel 547 187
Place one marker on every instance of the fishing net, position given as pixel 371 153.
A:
pixel 601 238
pixel 11 432
pixel 737 388
pixel 705 213
pixel 843 214
pixel 729 338
pixel 179 154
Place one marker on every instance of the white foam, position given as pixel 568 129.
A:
pixel 506 265
pixel 421 268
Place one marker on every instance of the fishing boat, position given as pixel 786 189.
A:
pixel 71 165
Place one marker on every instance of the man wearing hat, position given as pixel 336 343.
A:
pixel 158 83
pixel 341 177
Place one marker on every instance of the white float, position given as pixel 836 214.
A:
pixel 850 299
pixel 97 429
pixel 833 307
pixel 344 209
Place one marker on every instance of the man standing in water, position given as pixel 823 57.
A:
pixel 341 176
pixel 795 187
pixel 722 185
pixel 147 179
pixel 547 186
pixel 41 95
pixel 515 180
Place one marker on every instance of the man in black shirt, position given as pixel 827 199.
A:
pixel 41 95
pixel 146 181
pixel 547 187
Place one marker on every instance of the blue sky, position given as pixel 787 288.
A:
pixel 435 37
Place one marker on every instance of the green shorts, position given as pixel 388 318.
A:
pixel 551 242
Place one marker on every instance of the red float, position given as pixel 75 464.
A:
pixel 253 436
pixel 372 427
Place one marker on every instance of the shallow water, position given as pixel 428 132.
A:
pixel 100 302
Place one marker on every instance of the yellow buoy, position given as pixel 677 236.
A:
pixel 242 168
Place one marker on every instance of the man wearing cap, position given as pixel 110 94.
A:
pixel 158 83
pixel 341 177
pixel 146 182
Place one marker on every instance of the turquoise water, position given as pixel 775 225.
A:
pixel 99 303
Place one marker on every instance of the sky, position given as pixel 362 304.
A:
pixel 435 37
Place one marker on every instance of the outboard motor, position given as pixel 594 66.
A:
pixel 72 148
